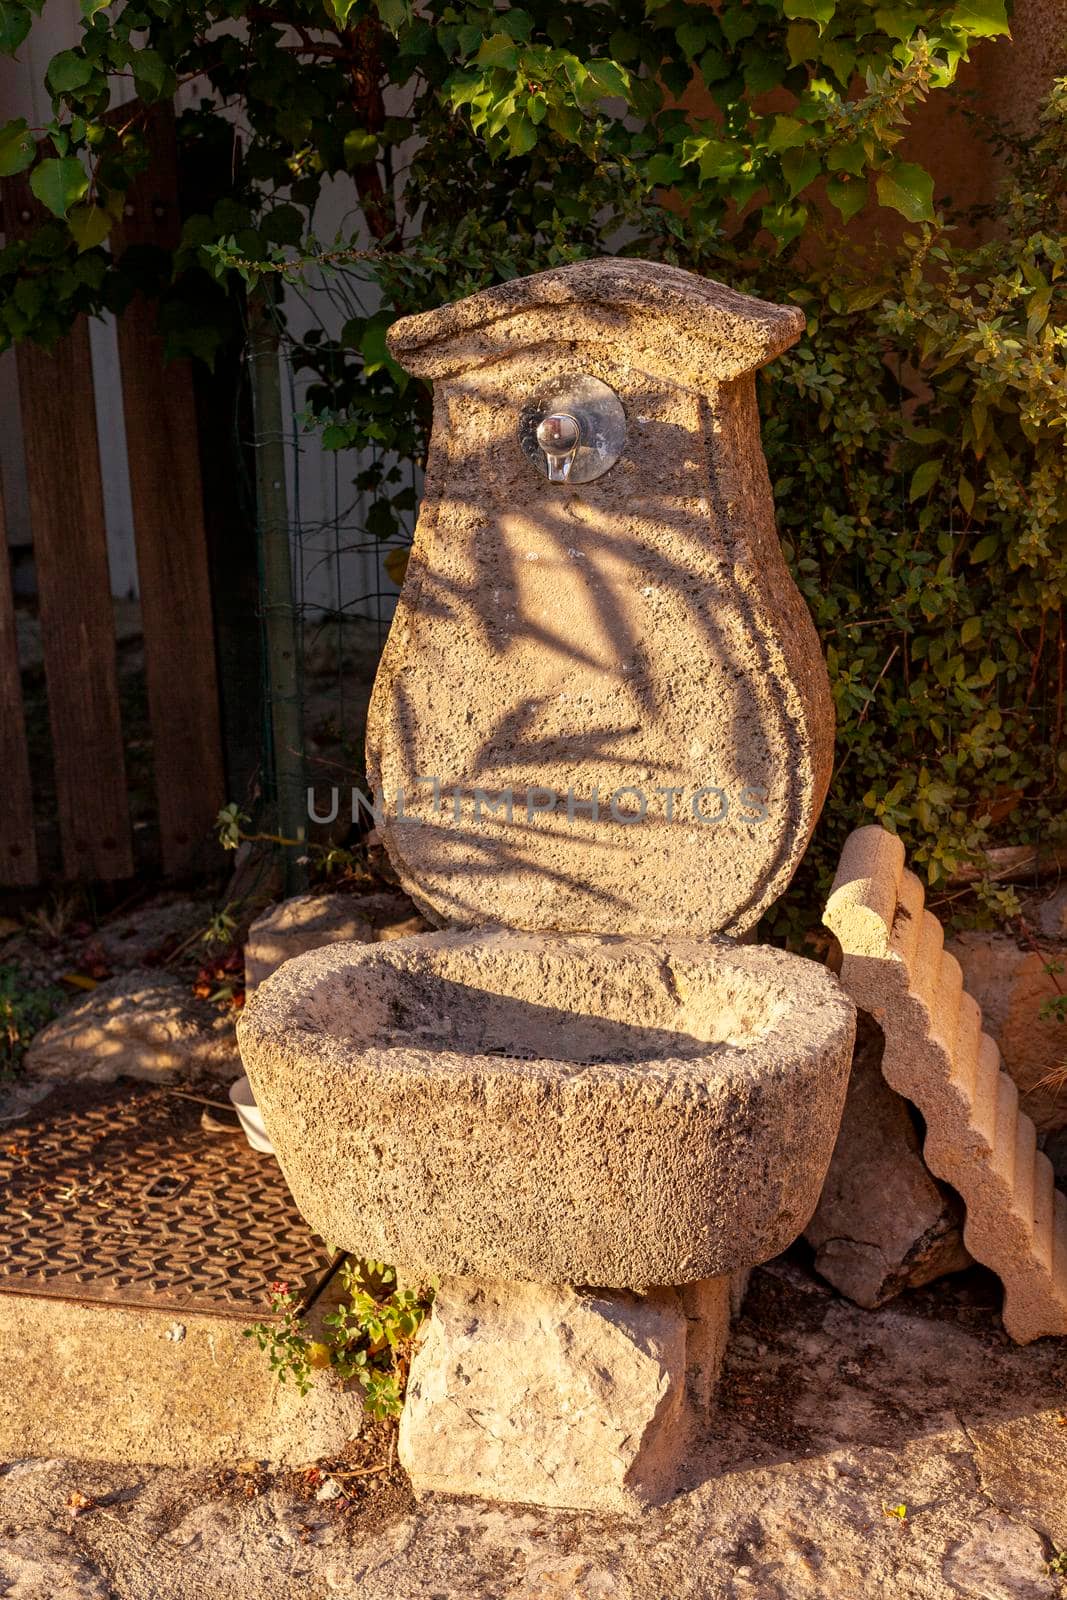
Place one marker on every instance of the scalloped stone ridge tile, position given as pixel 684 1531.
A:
pixel 895 966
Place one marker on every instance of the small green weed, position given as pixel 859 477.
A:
pixel 23 1012
pixel 369 1337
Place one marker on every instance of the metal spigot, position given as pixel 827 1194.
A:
pixel 559 435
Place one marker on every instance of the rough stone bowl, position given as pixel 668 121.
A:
pixel 590 1110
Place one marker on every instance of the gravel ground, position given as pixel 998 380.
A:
pixel 911 1452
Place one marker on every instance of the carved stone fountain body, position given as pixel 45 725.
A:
pixel 602 734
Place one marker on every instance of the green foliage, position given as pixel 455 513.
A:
pixel 1054 1009
pixel 229 825
pixel 916 443
pixel 24 1010
pixel 222 926
pixel 584 95
pixel 326 861
pixel 17 148
pixel 369 1336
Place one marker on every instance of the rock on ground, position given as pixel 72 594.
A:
pixel 1000 1557
pixel 523 1391
pixel 44 1563
pixel 136 938
pixel 144 1024
pixel 1011 982
pixel 308 921
pixel 830 1420
pixel 1048 913
pixel 883 1222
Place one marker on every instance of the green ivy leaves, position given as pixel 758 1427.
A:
pixel 907 188
pixel 17 148
pixel 68 71
pixel 59 182
pixel 981 19
pixel 819 11
pixel 499 50
pixel 89 226
pixel 518 94
pixel 528 80
pixel 15 19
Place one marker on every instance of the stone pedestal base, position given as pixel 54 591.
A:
pixel 557 1396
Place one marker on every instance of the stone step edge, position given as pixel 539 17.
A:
pixel 894 966
pixel 104 1382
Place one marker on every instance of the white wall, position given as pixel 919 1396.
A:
pixel 337 562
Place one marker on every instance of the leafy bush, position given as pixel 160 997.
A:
pixel 916 441
pixel 583 95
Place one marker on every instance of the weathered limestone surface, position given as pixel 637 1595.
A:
pixel 895 967
pixel 142 935
pixel 883 1224
pixel 1000 1556
pixel 554 1396
pixel 309 921
pixel 639 633
pixel 110 1383
pixel 1011 982
pixel 825 1414
pixel 709 1307
pixel 614 1112
pixel 144 1024
pixel 668 320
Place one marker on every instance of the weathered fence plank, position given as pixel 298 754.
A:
pixel 172 555
pixel 18 847
pixel 74 589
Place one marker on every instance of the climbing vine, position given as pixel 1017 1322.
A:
pixel 916 438
pixel 532 130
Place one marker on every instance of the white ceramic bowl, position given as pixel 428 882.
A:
pixel 250 1115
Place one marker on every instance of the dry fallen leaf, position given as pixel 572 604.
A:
pixel 396 565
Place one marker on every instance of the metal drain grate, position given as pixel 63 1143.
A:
pixel 114 1193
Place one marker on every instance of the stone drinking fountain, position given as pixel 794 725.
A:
pixel 601 732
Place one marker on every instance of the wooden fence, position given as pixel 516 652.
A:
pixel 73 588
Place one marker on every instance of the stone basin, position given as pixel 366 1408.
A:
pixel 559 1109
